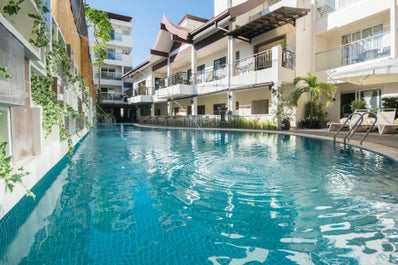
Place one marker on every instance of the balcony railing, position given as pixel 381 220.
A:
pixel 371 48
pixel 110 76
pixel 114 56
pixel 111 96
pixel 116 36
pixel 178 78
pixel 330 6
pixel 256 62
pixel 263 60
pixel 211 74
pixel 141 91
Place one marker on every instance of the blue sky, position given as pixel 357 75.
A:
pixel 147 16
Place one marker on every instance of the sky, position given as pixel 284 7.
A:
pixel 147 16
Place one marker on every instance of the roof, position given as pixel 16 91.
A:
pixel 268 20
pixel 119 17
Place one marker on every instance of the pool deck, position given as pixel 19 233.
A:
pixel 386 144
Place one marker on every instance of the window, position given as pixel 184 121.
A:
pixel 110 54
pixel 159 83
pixel 219 68
pixel 201 110
pixel 189 76
pixel 372 98
pixel 362 45
pixel 217 107
pixel 200 76
pixel 260 106
pixel 108 73
pixel 116 35
pixel 219 63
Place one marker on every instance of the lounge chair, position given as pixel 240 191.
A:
pixel 348 123
pixel 385 121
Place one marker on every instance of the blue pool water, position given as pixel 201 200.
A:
pixel 130 195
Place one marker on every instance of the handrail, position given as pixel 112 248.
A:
pixel 355 127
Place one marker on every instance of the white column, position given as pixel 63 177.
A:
pixel 394 27
pixel 169 110
pixel 230 63
pixel 194 101
pixel 153 109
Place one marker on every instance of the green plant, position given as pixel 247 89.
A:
pixel 39 25
pixel 358 104
pixel 4 73
pixel 317 111
pixel 391 102
pixel 142 90
pixel 102 27
pixel 317 90
pixel 12 7
pixel 284 110
pixel 7 173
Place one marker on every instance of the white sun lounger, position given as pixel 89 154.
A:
pixel 385 121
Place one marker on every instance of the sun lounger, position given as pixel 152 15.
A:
pixel 386 122
pixel 334 126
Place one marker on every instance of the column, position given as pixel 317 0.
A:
pixel 194 101
pixel 230 63
pixel 394 27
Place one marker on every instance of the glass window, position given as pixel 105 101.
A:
pixel 219 63
pixel 371 97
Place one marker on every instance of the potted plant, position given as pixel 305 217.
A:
pixel 283 110
pixel 317 90
pixel 358 104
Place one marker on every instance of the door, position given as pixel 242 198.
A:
pixel 345 107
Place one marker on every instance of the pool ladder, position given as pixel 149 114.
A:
pixel 353 129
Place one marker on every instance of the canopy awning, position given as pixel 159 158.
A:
pixel 268 20
pixel 381 72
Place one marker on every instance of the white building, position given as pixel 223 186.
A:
pixel 112 86
pixel 249 49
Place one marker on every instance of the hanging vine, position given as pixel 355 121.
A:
pixel 39 28
pixel 4 73
pixel 9 175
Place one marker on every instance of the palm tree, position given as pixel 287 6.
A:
pixel 317 90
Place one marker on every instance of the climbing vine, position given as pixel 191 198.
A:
pixel 58 64
pixel 10 176
pixel 12 7
pixel 102 27
pixel 4 73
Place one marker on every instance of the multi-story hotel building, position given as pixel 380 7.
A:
pixel 31 147
pixel 112 88
pixel 239 58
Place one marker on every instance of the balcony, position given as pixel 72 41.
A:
pixel 367 49
pixel 121 40
pixel 256 70
pixel 115 58
pixel 111 97
pixel 175 86
pixel 330 6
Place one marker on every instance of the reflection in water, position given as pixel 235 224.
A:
pixel 191 197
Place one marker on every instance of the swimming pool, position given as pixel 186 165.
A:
pixel 132 195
